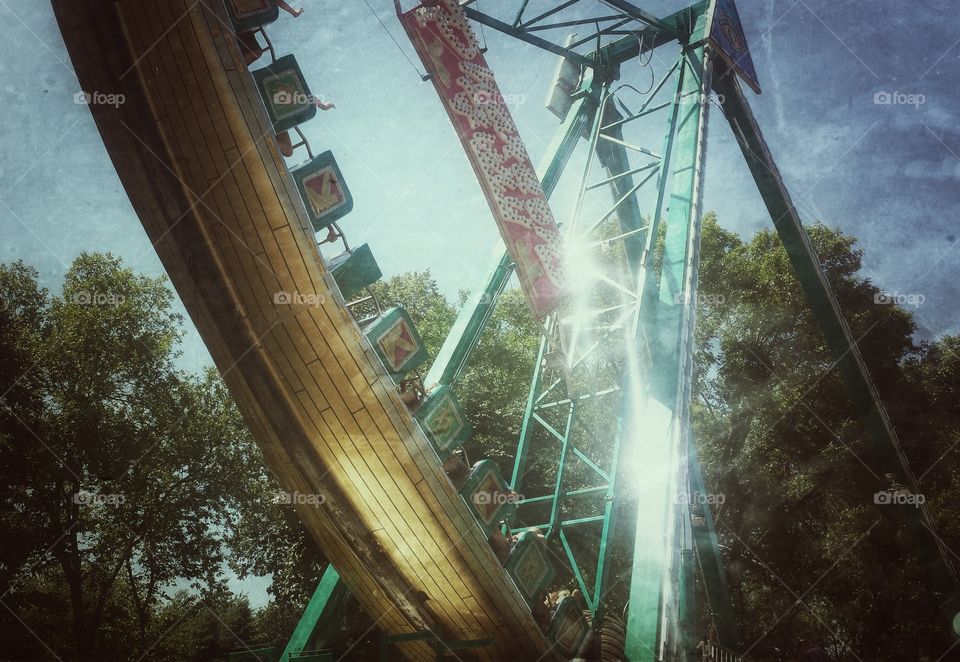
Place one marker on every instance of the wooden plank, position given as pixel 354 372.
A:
pixel 195 86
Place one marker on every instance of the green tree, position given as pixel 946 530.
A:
pixel 811 558
pixel 123 477
pixel 121 473
pixel 494 387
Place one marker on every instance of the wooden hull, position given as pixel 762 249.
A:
pixel 195 152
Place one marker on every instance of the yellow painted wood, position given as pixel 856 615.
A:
pixel 193 147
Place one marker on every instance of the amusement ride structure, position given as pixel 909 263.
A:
pixel 446 558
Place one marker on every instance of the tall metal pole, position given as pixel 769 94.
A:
pixel 658 415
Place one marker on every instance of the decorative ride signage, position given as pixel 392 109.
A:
pixel 449 49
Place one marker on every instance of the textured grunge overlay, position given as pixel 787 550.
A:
pixel 451 54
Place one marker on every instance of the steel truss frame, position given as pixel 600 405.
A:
pixel 621 19
pixel 658 309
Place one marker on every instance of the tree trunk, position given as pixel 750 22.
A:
pixel 69 557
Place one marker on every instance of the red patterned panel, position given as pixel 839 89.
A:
pixel 451 54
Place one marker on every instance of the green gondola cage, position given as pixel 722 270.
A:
pixel 443 419
pixel 397 343
pixel 530 566
pixel 325 195
pixel 250 14
pixel 487 495
pixel 285 93
pixel 354 271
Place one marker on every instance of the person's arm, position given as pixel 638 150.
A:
pixel 290 10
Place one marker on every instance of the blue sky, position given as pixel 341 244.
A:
pixel 886 173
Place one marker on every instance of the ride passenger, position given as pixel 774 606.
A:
pixel 290 10
pixel 250 47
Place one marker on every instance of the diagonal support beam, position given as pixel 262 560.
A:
pixel 320 619
pixel 614 53
pixel 524 35
pixel 636 13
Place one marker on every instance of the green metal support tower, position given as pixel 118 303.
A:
pixel 624 341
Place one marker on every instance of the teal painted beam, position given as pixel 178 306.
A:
pixel 655 418
pixel 463 337
pixel 565 494
pixel 615 53
pixel 587 106
pixel 665 318
pixel 604 557
pixel 523 444
pixel 635 12
pixel 641 266
pixel 615 160
pixel 558 484
pixel 885 454
pixel 707 548
pixel 524 35
pixel 465 334
pixel 320 619
pixel 612 54
pixel 626 445
pixel 627 48
pixel 687 625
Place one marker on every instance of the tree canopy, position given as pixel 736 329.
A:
pixel 131 486
pixel 121 473
pixel 810 559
